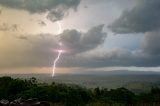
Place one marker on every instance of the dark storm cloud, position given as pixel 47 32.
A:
pixel 99 58
pixel 79 42
pixel 55 15
pixel 39 50
pixel 113 57
pixel 56 8
pixel 144 17
pixel 151 43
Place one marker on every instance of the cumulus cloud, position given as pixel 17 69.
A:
pixel 144 17
pixel 80 42
pixel 56 8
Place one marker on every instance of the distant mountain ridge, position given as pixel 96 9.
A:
pixel 122 72
pixel 100 72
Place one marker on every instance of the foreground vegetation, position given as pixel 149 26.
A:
pixel 73 95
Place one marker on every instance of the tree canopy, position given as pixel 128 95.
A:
pixel 73 95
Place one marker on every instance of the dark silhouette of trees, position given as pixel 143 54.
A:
pixel 73 95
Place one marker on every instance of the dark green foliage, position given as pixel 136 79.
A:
pixel 10 87
pixel 72 95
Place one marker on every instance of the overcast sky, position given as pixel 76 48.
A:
pixel 96 35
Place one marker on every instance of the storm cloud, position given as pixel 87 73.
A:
pixel 110 58
pixel 144 17
pixel 39 50
pixel 27 51
pixel 24 43
pixel 56 8
pixel 151 43
pixel 80 42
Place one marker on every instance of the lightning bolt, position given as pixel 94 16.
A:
pixel 59 51
pixel 59 27
pixel 55 61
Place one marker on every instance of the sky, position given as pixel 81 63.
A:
pixel 95 35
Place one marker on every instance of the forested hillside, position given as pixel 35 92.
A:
pixel 72 95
